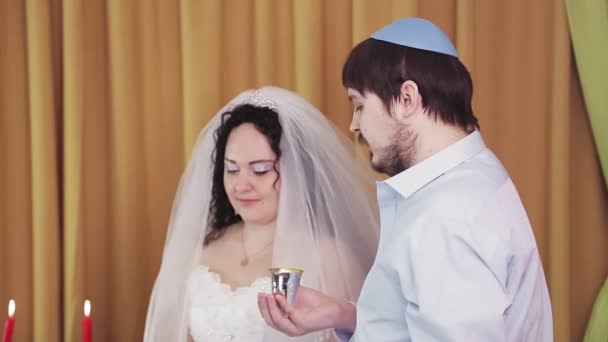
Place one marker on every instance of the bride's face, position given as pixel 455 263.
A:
pixel 251 179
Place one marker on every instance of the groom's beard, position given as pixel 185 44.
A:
pixel 398 156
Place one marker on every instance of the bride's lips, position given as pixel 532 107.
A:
pixel 245 201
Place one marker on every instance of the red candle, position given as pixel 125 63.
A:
pixel 87 323
pixel 9 325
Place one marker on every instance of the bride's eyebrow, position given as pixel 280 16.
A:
pixel 258 161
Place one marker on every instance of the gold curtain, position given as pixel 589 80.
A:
pixel 101 101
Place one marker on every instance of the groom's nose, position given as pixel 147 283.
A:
pixel 354 124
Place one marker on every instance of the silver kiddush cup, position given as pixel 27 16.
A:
pixel 286 281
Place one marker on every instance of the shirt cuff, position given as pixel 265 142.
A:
pixel 345 336
pixel 342 335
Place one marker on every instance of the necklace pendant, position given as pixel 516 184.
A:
pixel 244 262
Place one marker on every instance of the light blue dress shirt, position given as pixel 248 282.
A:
pixel 457 259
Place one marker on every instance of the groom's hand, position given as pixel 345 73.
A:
pixel 311 311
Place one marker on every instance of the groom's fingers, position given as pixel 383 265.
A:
pixel 292 313
pixel 280 320
pixel 265 310
pixel 286 308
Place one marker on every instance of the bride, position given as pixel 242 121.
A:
pixel 270 183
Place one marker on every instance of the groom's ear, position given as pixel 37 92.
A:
pixel 408 103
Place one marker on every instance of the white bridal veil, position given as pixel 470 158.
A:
pixel 327 221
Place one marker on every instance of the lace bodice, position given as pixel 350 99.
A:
pixel 219 313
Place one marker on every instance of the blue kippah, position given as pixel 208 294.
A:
pixel 417 33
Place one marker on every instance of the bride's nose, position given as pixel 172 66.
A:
pixel 243 183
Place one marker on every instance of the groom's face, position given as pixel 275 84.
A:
pixel 391 144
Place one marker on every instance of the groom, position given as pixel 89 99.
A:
pixel 457 259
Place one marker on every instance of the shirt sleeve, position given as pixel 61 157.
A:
pixel 451 289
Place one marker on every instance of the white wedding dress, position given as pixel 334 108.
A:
pixel 218 313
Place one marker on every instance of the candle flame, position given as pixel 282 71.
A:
pixel 87 308
pixel 11 308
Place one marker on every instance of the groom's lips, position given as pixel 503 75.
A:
pixel 362 140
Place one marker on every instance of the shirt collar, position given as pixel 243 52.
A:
pixel 414 178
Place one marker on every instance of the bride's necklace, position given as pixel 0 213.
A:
pixel 247 257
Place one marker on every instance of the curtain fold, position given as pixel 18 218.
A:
pixel 597 329
pixel 44 124
pixel 559 177
pixel 589 30
pixel 16 257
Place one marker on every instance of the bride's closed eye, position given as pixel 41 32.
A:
pixel 231 167
pixel 262 169
pixel 257 168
